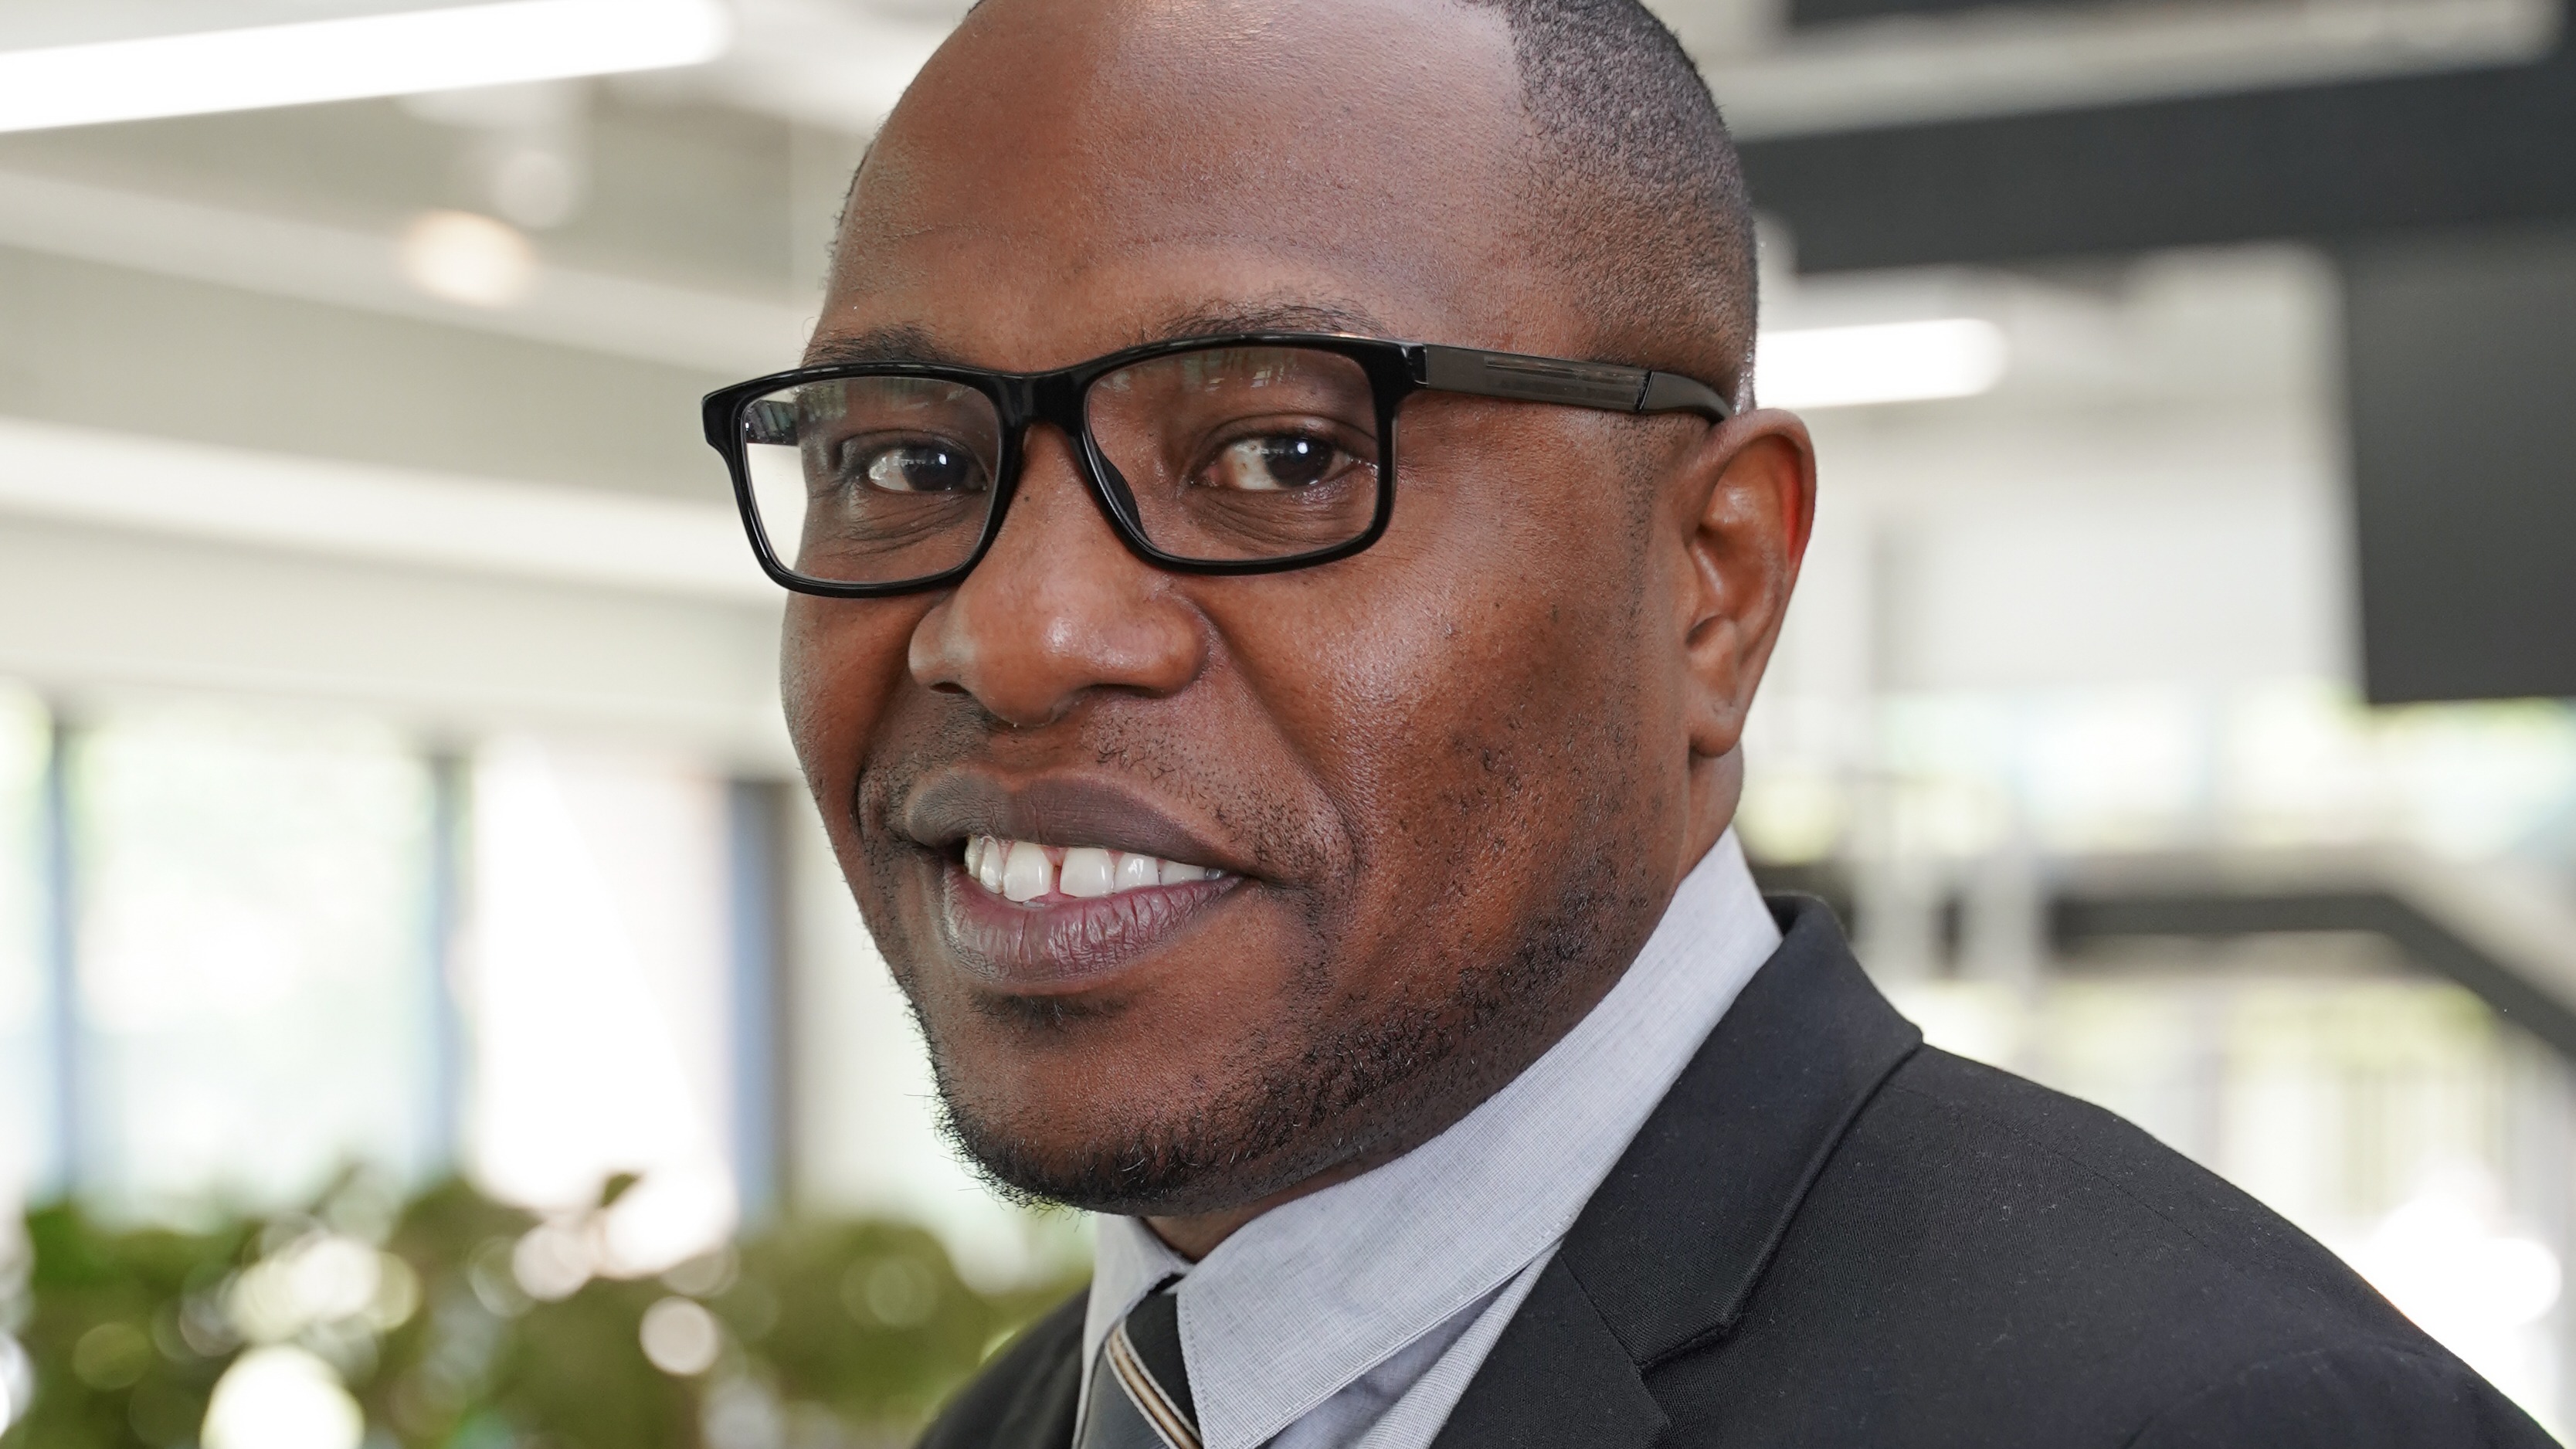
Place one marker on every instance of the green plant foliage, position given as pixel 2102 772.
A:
pixel 456 1322
pixel 123 1348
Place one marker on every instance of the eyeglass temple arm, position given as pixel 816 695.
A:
pixel 1577 384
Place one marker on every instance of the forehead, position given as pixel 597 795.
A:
pixel 1072 176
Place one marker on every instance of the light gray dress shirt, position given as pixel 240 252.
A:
pixel 1354 1317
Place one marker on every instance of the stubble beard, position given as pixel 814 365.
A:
pixel 1342 1091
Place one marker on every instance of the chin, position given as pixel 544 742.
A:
pixel 1080 1130
pixel 1221 1076
pixel 1162 1170
pixel 1327 1102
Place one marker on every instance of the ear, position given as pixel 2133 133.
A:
pixel 1747 504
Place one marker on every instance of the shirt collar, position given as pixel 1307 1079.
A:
pixel 1311 1295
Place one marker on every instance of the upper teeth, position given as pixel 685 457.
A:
pixel 1024 870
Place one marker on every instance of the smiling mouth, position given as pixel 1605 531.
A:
pixel 1024 871
pixel 1031 918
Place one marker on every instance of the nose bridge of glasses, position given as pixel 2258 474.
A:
pixel 1054 448
pixel 1053 398
pixel 1058 399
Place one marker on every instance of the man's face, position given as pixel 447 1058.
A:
pixel 1443 780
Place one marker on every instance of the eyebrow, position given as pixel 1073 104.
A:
pixel 1219 318
pixel 912 342
pixel 905 342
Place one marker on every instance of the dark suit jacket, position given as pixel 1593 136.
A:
pixel 1829 1234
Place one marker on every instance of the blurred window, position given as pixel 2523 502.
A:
pixel 260 999
pixel 595 982
pixel 252 955
pixel 26 1097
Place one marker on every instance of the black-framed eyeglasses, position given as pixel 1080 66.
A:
pixel 1240 454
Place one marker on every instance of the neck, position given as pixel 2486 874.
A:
pixel 1196 1235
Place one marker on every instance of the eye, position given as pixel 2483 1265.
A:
pixel 1277 463
pixel 925 466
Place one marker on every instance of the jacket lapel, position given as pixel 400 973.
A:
pixel 1556 1379
pixel 1040 1414
pixel 1669 1249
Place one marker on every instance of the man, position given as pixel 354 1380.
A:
pixel 1280 717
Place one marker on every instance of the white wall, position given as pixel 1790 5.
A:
pixel 670 638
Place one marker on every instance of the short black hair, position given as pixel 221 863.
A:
pixel 1646 202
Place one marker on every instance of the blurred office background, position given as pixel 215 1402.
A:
pixel 391 775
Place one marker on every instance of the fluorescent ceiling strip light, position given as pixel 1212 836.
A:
pixel 1833 367
pixel 352 58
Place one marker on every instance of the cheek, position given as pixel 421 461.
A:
pixel 1470 692
pixel 1506 612
pixel 841 666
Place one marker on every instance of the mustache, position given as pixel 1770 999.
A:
pixel 1122 783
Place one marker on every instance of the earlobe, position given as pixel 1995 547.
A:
pixel 1750 501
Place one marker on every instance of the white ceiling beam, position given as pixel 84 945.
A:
pixel 579 536
pixel 90 616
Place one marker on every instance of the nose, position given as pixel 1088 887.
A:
pixel 1058 608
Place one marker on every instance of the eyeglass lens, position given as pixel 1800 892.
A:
pixel 1214 455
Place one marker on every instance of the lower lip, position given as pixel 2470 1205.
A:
pixel 1062 944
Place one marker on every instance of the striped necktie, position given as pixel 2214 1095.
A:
pixel 1140 1392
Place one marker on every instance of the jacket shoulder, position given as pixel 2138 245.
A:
pixel 2106 1179
pixel 1025 1397
pixel 1984 1260
pixel 2355 1398
pixel 2118 1234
